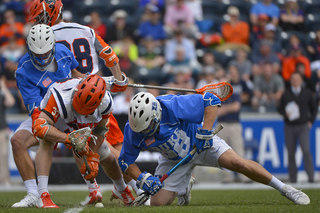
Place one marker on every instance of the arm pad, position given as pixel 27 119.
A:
pixel 102 130
pixel 211 100
pixel 40 128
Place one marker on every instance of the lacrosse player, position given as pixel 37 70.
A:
pixel 87 47
pixel 72 104
pixel 171 125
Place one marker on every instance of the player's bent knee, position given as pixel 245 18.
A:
pixel 104 151
pixel 238 164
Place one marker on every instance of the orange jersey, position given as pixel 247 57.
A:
pixel 236 34
pixel 289 66
pixel 115 134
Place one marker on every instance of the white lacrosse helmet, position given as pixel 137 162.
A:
pixel 41 46
pixel 144 113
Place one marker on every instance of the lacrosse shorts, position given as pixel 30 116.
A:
pixel 179 179
pixel 115 135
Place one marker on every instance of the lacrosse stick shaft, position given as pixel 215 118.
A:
pixel 191 153
pixel 87 166
pixel 161 88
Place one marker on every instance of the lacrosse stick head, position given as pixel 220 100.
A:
pixel 79 139
pixel 222 90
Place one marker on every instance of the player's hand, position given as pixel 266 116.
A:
pixel 93 162
pixel 79 153
pixel 120 86
pixel 149 183
pixel 203 139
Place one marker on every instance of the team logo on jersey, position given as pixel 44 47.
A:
pixel 154 106
pixel 46 82
pixel 150 141
pixel 50 3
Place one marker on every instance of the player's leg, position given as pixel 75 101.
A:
pixel 230 160
pixel 21 141
pixel 43 165
pixel 110 166
pixel 163 197
pixel 115 150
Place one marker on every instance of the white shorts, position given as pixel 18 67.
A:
pixel 179 179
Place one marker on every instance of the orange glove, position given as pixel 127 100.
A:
pixel 120 86
pixel 93 161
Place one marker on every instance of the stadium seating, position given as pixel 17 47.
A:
pixel 212 7
pixel 312 6
pixel 243 6
pixel 312 21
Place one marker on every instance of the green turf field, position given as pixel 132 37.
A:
pixel 202 201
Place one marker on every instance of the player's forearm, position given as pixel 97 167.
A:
pixel 210 115
pixel 116 72
pixel 133 171
pixel 54 135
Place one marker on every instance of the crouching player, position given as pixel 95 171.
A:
pixel 171 125
pixel 72 104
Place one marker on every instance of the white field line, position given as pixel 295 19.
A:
pixel 74 210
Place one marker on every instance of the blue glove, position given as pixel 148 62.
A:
pixel 149 183
pixel 203 139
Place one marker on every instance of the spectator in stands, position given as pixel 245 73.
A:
pixel 268 88
pixel 97 25
pixel 7 100
pixel 67 16
pixel 207 77
pixel 265 53
pixel 119 29
pixel 178 16
pixel 314 50
pixel 294 40
pixel 158 3
pixel 265 7
pixel 291 17
pixel 243 65
pixel 235 32
pixel 241 87
pixel 289 63
pixel 179 39
pixel 196 8
pixel 11 28
pixel 258 30
pixel 307 82
pixel 209 59
pixel 298 107
pixel 181 79
pixel 153 28
pixel 150 61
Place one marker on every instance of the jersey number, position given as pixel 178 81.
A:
pixel 82 53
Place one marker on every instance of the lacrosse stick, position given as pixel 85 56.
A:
pixel 222 90
pixel 141 199
pixel 79 140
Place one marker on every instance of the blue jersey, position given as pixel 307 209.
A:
pixel 33 83
pixel 181 116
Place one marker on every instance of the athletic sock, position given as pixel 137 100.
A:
pixel 133 185
pixel 32 187
pixel 120 185
pixel 276 183
pixel 91 186
pixel 43 184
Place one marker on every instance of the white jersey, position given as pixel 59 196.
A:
pixel 63 93
pixel 82 42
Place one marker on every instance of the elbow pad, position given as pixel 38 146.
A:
pixel 123 165
pixel 211 100
pixel 109 56
pixel 40 128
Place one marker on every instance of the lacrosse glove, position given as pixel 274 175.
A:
pixel 120 86
pixel 79 153
pixel 93 162
pixel 203 139
pixel 149 183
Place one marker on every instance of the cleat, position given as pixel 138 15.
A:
pixel 93 198
pixel 295 195
pixel 28 201
pixel 125 196
pixel 186 198
pixel 45 201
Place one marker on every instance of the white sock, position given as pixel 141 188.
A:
pixel 133 185
pixel 120 185
pixel 91 186
pixel 32 187
pixel 43 184
pixel 276 183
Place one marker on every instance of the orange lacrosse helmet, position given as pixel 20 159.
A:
pixel 88 94
pixel 45 11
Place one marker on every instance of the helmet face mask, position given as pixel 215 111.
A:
pixel 45 11
pixel 144 114
pixel 41 46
